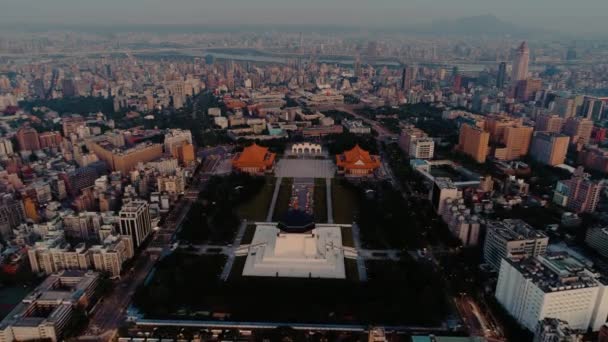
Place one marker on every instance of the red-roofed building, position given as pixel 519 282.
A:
pixel 357 162
pixel 254 159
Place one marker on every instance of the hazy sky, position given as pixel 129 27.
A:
pixel 580 16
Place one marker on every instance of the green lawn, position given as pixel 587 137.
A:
pixel 237 267
pixel 350 267
pixel 344 202
pixel 347 237
pixel 257 208
pixel 320 201
pixel 282 204
pixel 248 236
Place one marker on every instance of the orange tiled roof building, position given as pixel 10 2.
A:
pixel 357 162
pixel 254 159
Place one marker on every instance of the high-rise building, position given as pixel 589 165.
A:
pixel 520 63
pixel 174 139
pixel 579 129
pixel 597 238
pixel 416 143
pixel 83 226
pixel 6 147
pixel 134 221
pixel 496 125
pixel 594 158
pixel 555 285
pixel 186 154
pixel 71 124
pixel 462 223
pixel 27 138
pixel 443 188
pixel 516 141
pixel 501 78
pixel 549 148
pixel 407 77
pixel 579 194
pixel 526 89
pixel 111 255
pixel 593 108
pixel 556 330
pixel 512 238
pixel 122 159
pixel 49 139
pixel 549 123
pixel 565 107
pixel 11 215
pixel 473 141
pixel 68 87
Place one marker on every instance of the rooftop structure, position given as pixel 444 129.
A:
pixel 310 252
pixel 45 312
pixel 512 238
pixel 556 330
pixel 554 285
pixel 357 161
pixel 254 159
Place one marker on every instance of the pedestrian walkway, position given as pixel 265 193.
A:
pixel 330 209
pixel 231 253
pixel 305 168
pixel 275 195
pixel 360 260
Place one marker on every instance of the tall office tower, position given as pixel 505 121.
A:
pixel 11 215
pixel 27 137
pixel 579 130
pixel 556 285
pixel 473 141
pixel 516 141
pixel 549 123
pixel 527 89
pixel 501 78
pixel 39 88
pixel 68 88
pixel 497 124
pixel 579 194
pixel 177 92
pixel 134 221
pixel 594 158
pixel 565 107
pixel 408 76
pixel 593 108
pixel 520 63
pixel 6 147
pixel 357 66
pixel 512 238
pixel 549 148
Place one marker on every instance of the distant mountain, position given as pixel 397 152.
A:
pixel 478 25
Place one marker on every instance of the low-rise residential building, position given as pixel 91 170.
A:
pixel 44 314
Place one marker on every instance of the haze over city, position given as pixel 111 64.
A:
pixel 312 170
pixel 571 17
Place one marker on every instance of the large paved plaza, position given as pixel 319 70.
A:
pixel 305 168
